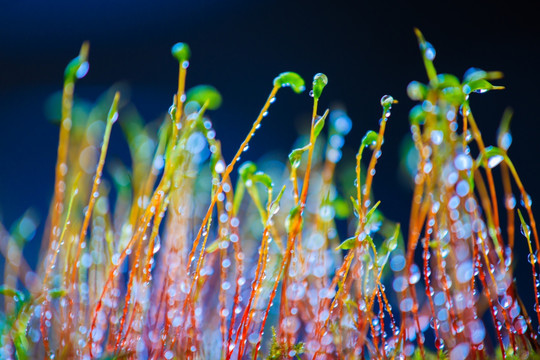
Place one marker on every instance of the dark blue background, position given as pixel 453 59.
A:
pixel 367 49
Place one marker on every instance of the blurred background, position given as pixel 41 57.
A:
pixel 367 49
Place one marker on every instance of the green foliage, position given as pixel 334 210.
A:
pixel 292 80
pixel 278 351
pixel 181 52
pixel 319 82
pixel 205 94
pixel 180 175
pixel 78 67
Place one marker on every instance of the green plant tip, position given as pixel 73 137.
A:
pixel 181 52
pixel 387 101
pixel 319 82
pixel 78 67
pixel 370 139
pixel 246 170
pixel 417 91
pixel 202 94
pixel 292 80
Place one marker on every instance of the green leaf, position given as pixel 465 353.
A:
pixel 341 208
pixel 319 82
pixel 320 124
pixel 246 170
pixel 294 218
pixel 417 91
pixel 78 67
pixel 181 52
pixel 356 206
pixel 428 54
pixel 392 242
pixel 263 178
pixel 205 93
pixel 480 85
pixel 14 293
pixel 274 207
pixel 451 88
pixel 370 139
pixel 473 74
pixel 453 95
pixel 492 157
pixel 504 138
pixel 213 246
pixel 292 80
pixel 57 293
pixel 113 111
pixel 447 80
pixel 370 212
pixel 21 344
pixel 348 244
pixel 417 115
pixel 296 155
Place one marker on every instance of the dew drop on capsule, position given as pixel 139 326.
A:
pixel 82 70
pixel 387 101
pixel 320 80
pixel 429 51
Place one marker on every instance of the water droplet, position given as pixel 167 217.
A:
pixel 460 352
pixel 436 137
pixel 157 245
pixel 510 202
pixel 505 140
pixel 526 201
pixel 414 274
pixel 463 162
pixel 520 325
pixel 464 272
pixel 82 70
pixel 429 51
pixel 462 188
pixel 397 263
pixel 525 231
pixel 506 301
pixel 387 101
pixel 494 161
pixel 406 305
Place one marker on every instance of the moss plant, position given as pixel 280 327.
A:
pixel 185 264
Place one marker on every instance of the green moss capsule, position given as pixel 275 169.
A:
pixel 205 93
pixel 181 52
pixel 319 82
pixel 292 80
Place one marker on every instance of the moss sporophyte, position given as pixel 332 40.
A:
pixel 167 258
